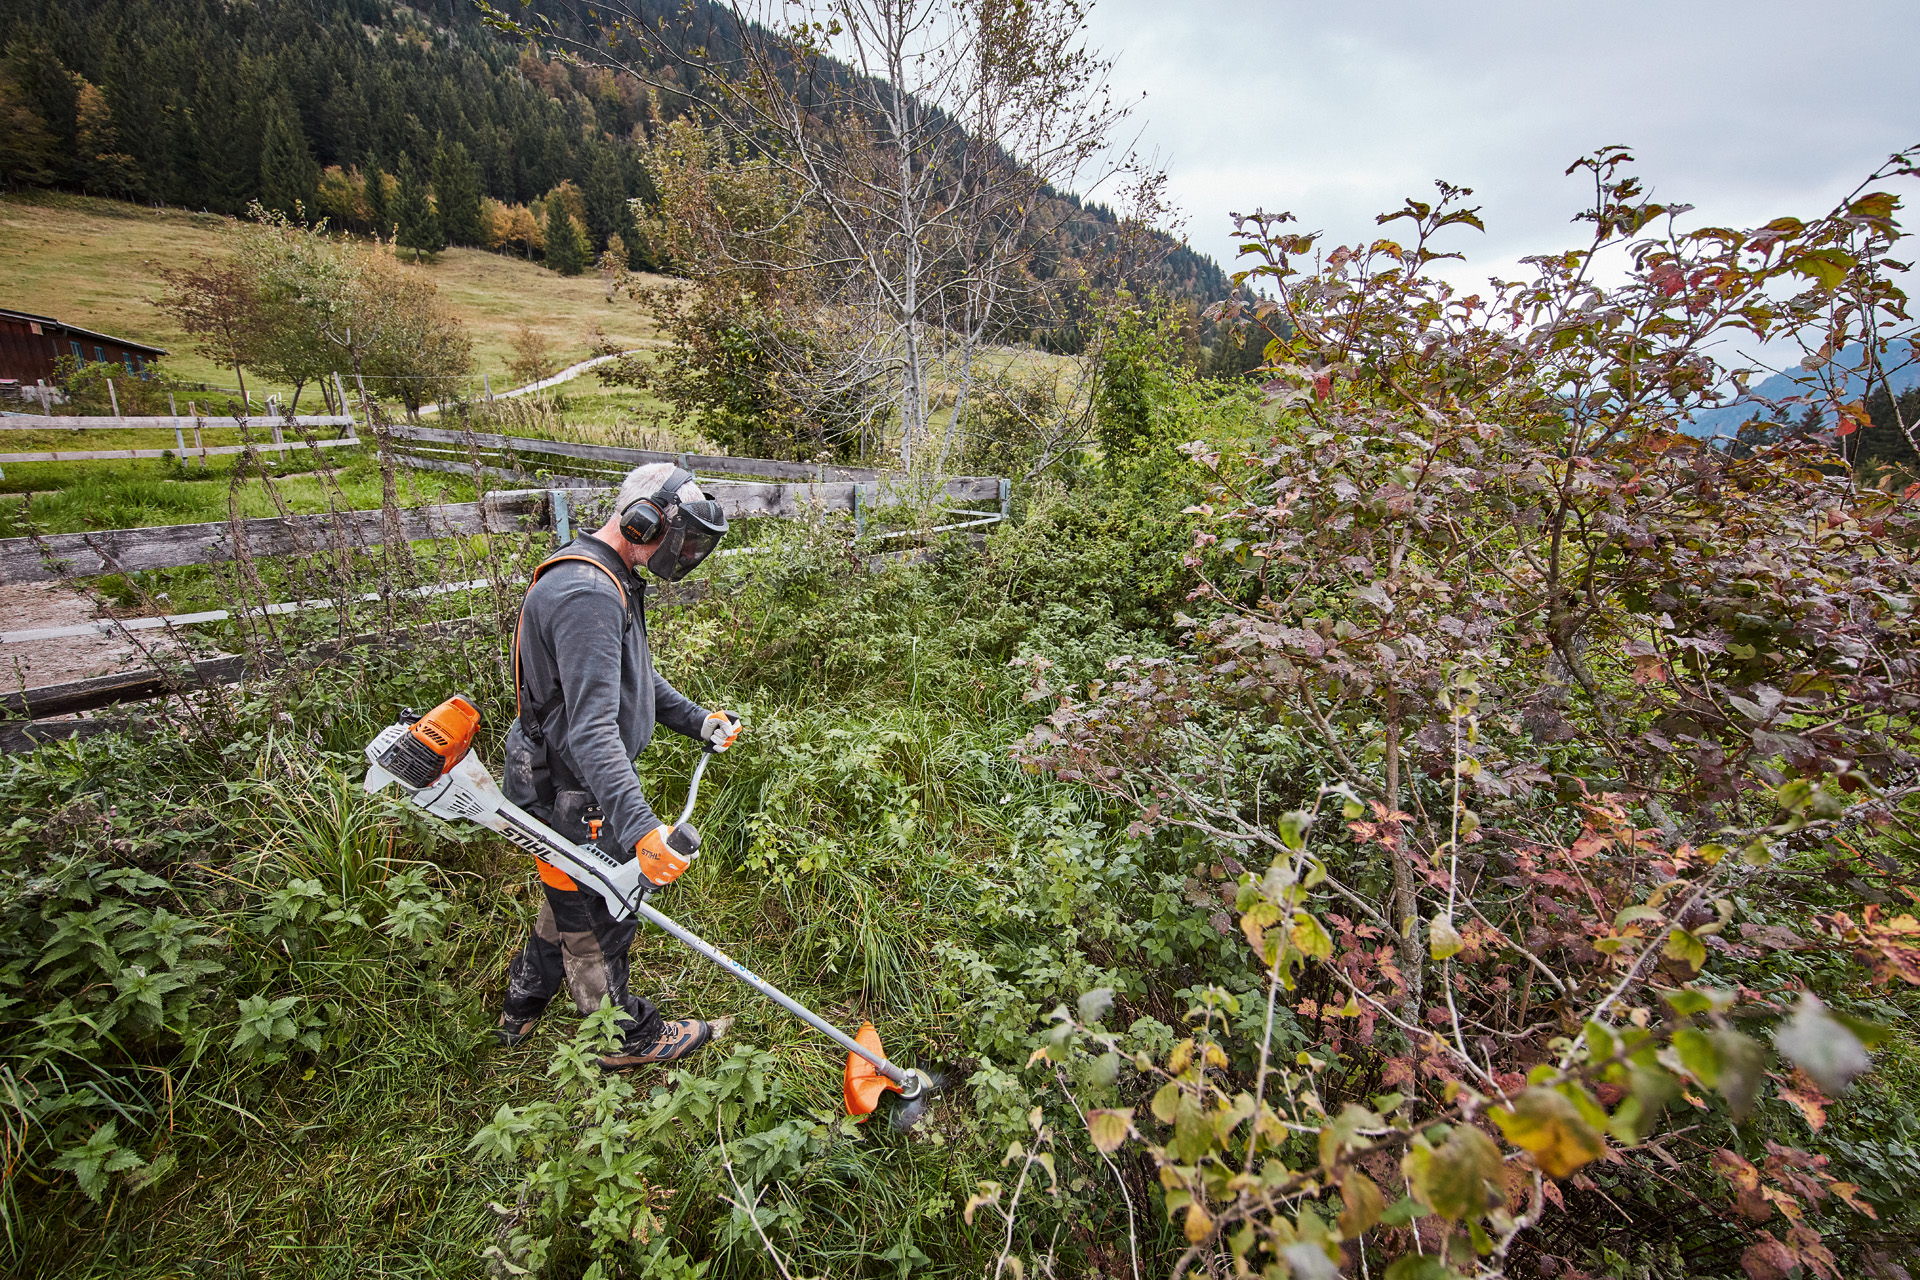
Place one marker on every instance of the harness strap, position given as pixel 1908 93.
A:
pixel 519 705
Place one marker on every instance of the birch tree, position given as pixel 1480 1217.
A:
pixel 920 140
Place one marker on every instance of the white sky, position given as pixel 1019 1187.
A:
pixel 1337 111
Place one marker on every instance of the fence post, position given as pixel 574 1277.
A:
pixel 194 409
pixel 179 441
pixel 562 515
pixel 340 385
pixel 488 382
pixel 859 510
pixel 113 396
pixel 1006 497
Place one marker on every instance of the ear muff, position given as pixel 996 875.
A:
pixel 646 518
pixel 642 521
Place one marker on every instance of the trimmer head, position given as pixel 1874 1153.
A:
pixel 863 1086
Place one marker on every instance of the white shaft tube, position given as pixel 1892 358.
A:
pixel 775 994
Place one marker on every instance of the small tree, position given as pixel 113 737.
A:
pixel 379 208
pixel 289 179
pixel 417 226
pixel 216 301
pixel 456 194
pixel 532 357
pixel 568 251
pixel 613 267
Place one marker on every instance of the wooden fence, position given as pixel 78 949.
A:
pixel 429 446
pixel 62 555
pixel 179 425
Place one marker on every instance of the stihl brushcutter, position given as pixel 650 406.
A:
pixel 429 758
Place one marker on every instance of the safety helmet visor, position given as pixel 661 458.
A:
pixel 693 532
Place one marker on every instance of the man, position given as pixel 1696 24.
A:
pixel 589 699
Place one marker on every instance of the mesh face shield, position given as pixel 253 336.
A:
pixel 693 531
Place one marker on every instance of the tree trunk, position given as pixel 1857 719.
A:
pixel 1406 897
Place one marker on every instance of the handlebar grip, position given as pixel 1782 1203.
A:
pixel 684 840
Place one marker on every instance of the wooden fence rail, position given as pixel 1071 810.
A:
pixel 164 422
pixel 453 446
pixel 81 555
pixel 203 451
pixel 58 555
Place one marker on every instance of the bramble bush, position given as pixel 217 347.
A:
pixel 1564 760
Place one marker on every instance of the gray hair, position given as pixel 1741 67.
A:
pixel 645 481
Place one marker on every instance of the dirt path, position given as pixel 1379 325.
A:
pixel 31 606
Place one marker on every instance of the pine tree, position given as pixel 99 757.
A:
pixel 568 249
pixel 27 147
pixel 417 227
pixel 288 175
pixel 379 213
pixel 456 192
pixel 605 197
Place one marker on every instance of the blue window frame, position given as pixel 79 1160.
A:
pixel 78 354
pixel 100 354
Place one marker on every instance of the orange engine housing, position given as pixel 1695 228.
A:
pixel 433 744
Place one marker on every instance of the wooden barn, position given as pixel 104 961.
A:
pixel 29 345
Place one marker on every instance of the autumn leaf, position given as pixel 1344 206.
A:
pixel 1109 1128
pixel 1850 1194
pixel 1461 1178
pixel 1545 1124
pixel 1810 1103
pixel 1364 1204
pixel 1768 1260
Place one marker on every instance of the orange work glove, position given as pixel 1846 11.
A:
pixel 665 852
pixel 719 730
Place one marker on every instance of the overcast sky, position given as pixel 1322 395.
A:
pixel 1337 111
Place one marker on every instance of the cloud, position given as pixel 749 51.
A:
pixel 1339 111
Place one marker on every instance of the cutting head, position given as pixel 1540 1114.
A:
pixel 863 1086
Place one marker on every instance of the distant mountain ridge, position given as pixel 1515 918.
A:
pixel 1725 421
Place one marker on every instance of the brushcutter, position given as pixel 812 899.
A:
pixel 430 759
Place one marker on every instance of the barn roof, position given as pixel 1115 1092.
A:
pixel 7 313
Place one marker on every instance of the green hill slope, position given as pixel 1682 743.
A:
pixel 97 263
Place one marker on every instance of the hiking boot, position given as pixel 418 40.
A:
pixel 508 1033
pixel 675 1041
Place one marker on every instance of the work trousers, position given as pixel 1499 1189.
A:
pixel 577 941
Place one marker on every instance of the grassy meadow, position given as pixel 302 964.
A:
pixel 97 263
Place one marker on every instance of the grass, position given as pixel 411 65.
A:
pixel 72 497
pixel 96 263
pixel 837 858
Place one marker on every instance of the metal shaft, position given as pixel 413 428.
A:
pixel 752 979
pixel 896 1074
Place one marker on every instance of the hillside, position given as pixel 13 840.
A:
pixel 184 103
pixel 97 263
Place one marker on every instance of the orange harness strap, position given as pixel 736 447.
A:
pixel 550 874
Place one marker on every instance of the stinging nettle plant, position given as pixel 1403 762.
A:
pixel 1592 697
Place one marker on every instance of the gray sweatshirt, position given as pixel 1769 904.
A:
pixel 575 640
